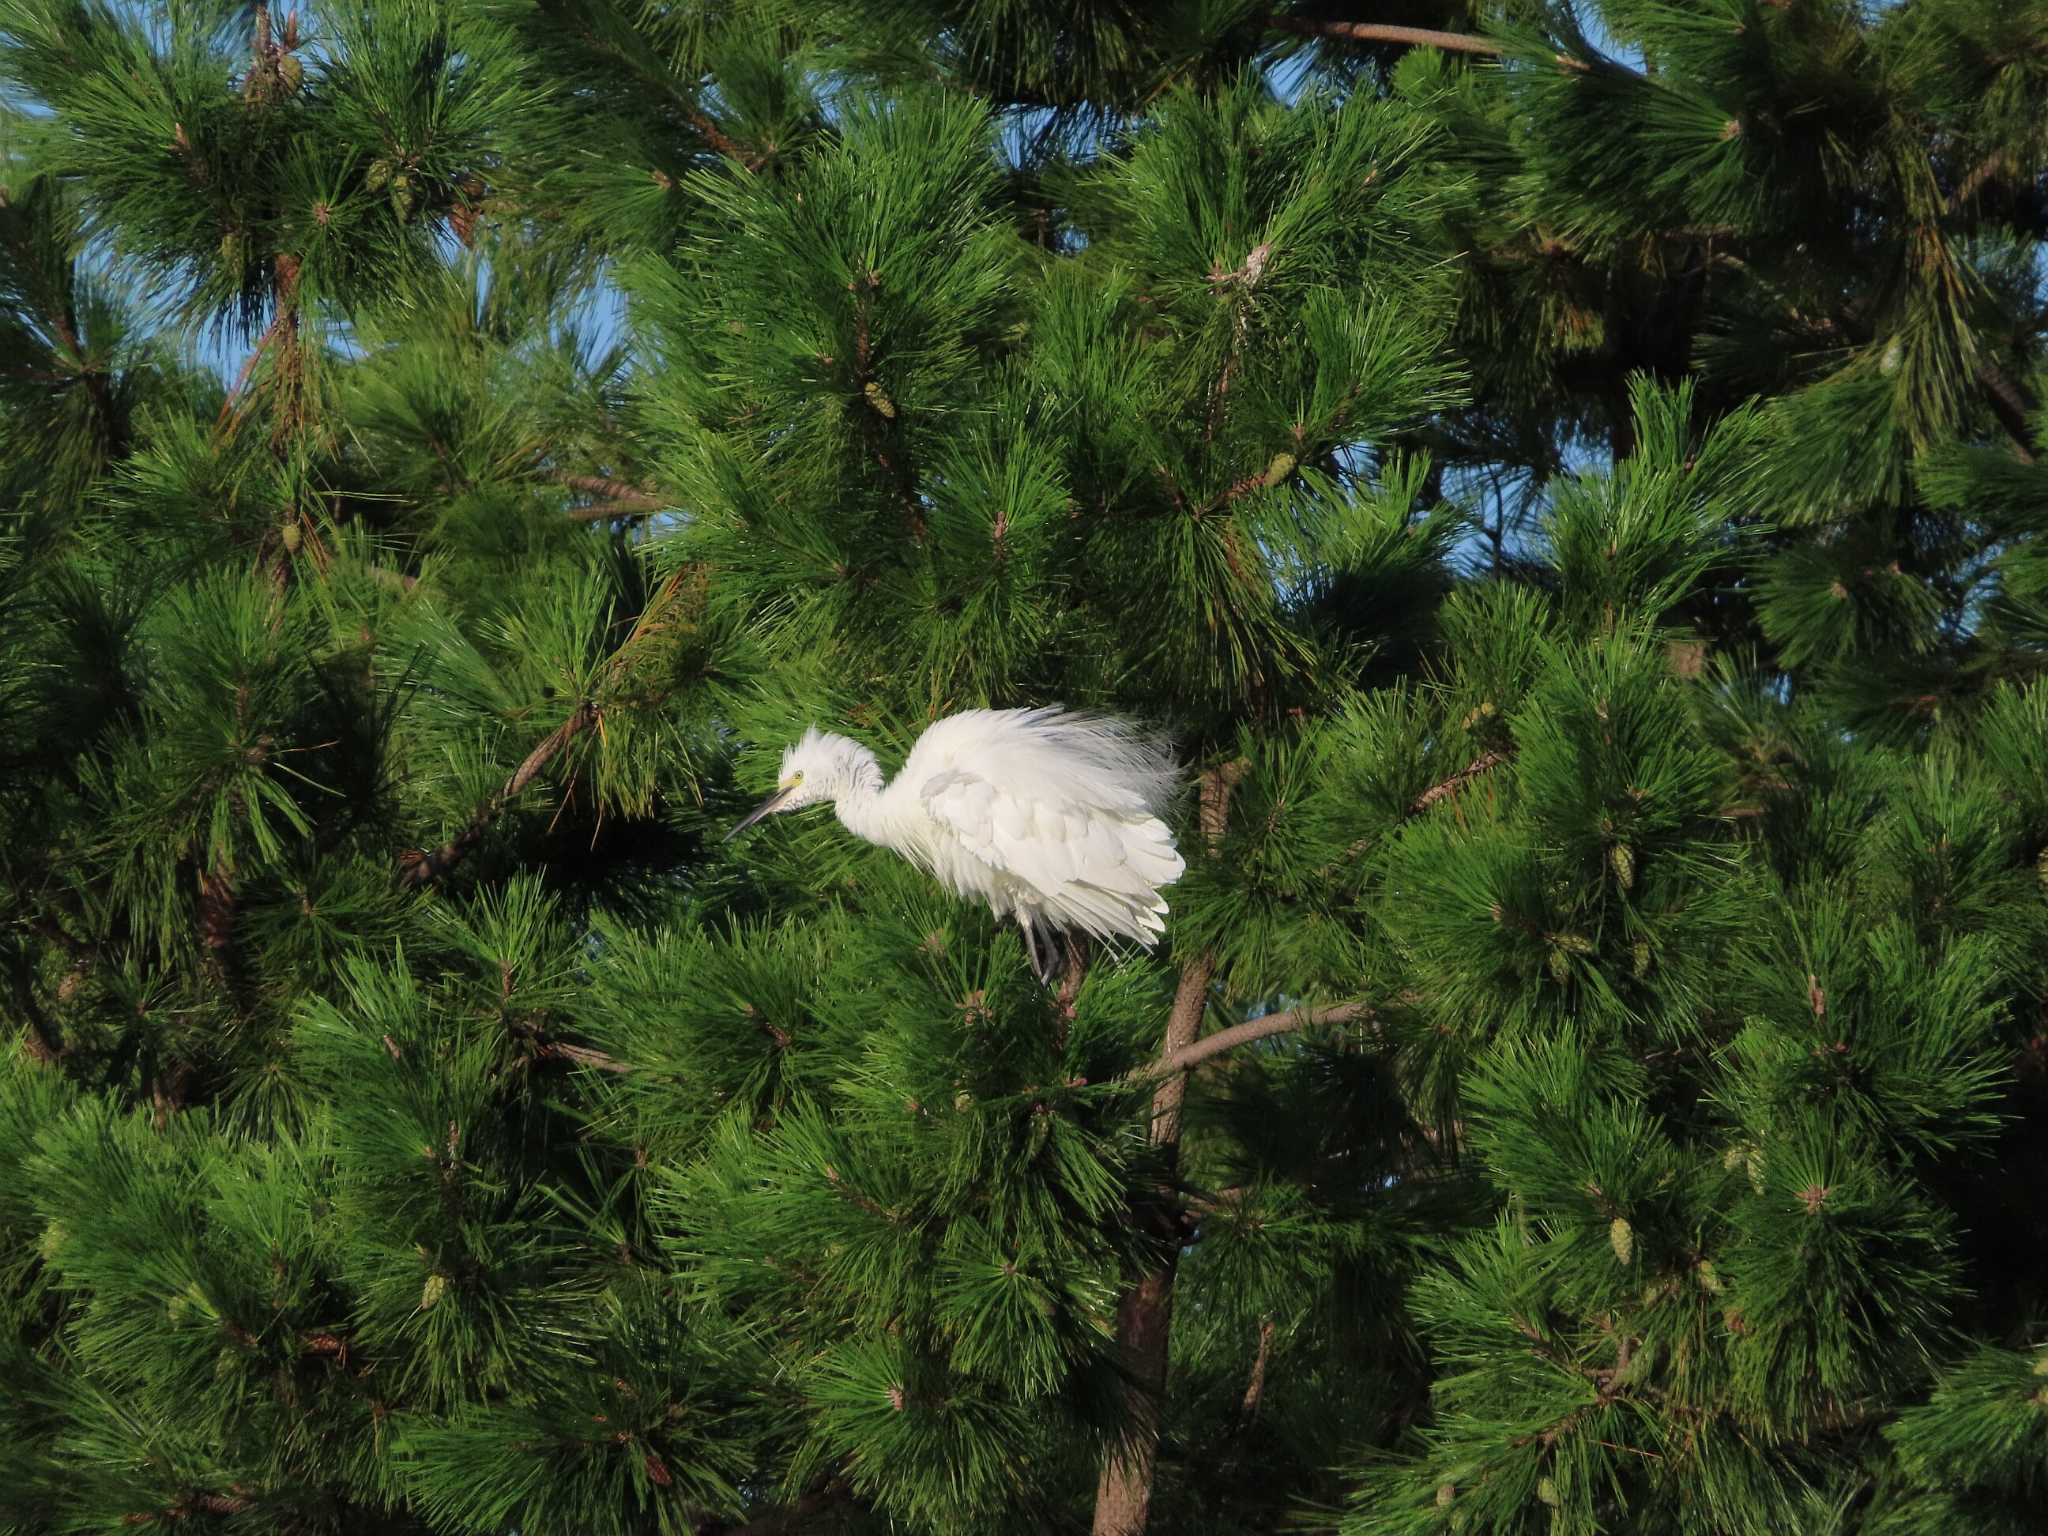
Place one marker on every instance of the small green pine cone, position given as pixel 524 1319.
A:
pixel 1621 1237
pixel 1623 858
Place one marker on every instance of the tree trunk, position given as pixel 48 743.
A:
pixel 1144 1316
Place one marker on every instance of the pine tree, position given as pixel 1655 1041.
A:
pixel 1564 481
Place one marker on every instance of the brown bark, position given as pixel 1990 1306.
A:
pixel 44 1041
pixel 1421 37
pixel 1980 175
pixel 721 141
pixel 220 1504
pixel 622 492
pixel 218 906
pixel 582 1055
pixel 1457 781
pixel 1377 32
pixel 2009 403
pixel 1144 1322
pixel 1144 1315
pixel 1177 1063
pixel 1255 1389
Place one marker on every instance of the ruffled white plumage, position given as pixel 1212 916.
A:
pixel 1047 815
pixel 1051 817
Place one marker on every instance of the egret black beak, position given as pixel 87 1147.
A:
pixel 767 807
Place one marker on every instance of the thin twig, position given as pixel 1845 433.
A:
pixel 582 1055
pixel 197 1504
pixel 622 491
pixel 1484 762
pixel 722 141
pixel 420 868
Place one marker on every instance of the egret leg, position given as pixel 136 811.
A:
pixel 1040 966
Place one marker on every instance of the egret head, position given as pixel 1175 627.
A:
pixel 820 767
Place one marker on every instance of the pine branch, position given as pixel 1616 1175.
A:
pixel 218 908
pixel 624 492
pixel 1379 32
pixel 882 426
pixel 1255 1389
pixel 220 1504
pixel 420 868
pixel 280 336
pixel 714 137
pixel 582 1055
pixel 65 327
pixel 1483 763
pixel 722 141
pixel 1236 491
pixel 2009 403
pixel 1998 163
pixel 46 1042
pixel 1192 1055
pixel 1422 37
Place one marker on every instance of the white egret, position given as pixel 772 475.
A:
pixel 1051 817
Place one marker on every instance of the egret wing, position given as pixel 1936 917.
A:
pixel 1072 860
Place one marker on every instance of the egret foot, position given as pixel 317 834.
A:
pixel 1044 958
